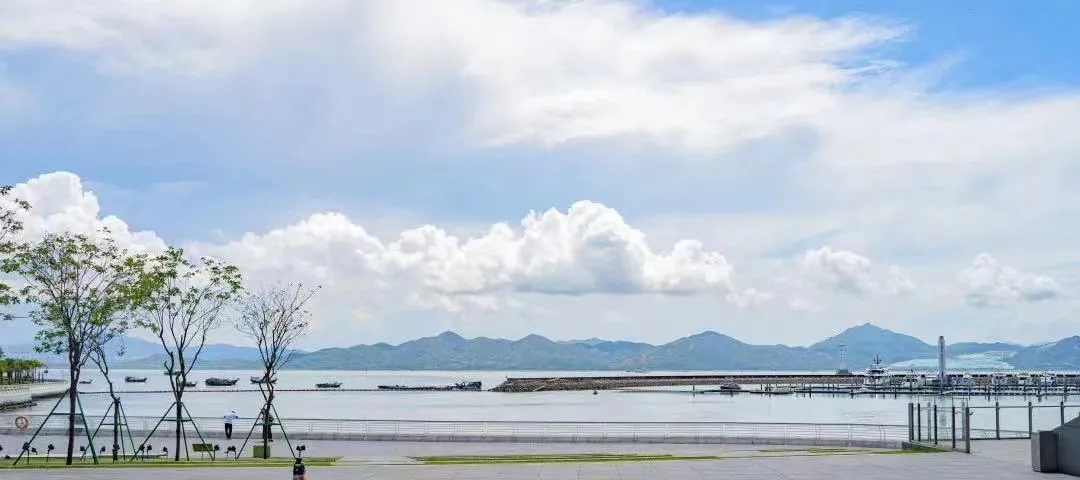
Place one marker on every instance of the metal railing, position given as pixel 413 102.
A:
pixel 835 434
pixel 955 426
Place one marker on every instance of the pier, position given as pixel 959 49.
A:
pixel 982 382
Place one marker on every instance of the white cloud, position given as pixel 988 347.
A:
pixel 990 284
pixel 587 249
pixel 868 147
pixel 60 204
pixel 851 273
pixel 750 298
pixel 553 73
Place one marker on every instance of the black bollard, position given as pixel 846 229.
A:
pixel 299 471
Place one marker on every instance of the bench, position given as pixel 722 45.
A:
pixel 203 448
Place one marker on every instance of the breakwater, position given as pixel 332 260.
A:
pixel 25 394
pixel 983 382
pixel 542 384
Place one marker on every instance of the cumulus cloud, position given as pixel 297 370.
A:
pixel 587 249
pixel 851 273
pixel 989 284
pixel 60 204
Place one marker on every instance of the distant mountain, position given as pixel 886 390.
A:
pixel 863 342
pixel 587 341
pixel 1063 354
pixel 969 348
pixel 702 351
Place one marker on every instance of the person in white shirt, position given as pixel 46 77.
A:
pixel 229 419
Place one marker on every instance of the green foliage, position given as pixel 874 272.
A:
pixel 18 370
pixel 79 286
pixel 10 208
pixel 182 302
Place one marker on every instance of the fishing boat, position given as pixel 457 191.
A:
pixel 189 384
pixel 258 380
pixel 328 385
pixel 722 388
pixel 221 382
pixel 135 379
pixel 86 382
pixel 463 386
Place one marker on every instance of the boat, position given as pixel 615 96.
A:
pixel 221 382
pixel 770 390
pixel 190 384
pixel 261 380
pixel 86 382
pixel 722 388
pixel 462 386
pixel 328 385
pixel 877 376
pixel 135 379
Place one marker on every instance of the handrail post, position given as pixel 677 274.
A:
pixel 1030 425
pixel 911 421
pixel 997 420
pixel 967 429
pixel 1063 412
pixel 935 424
pixel 918 422
pixel 953 424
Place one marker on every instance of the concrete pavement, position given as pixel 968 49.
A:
pixel 389 460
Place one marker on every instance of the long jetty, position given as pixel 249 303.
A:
pixel 542 384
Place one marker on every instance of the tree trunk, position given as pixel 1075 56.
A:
pixel 116 429
pixel 72 396
pixel 179 426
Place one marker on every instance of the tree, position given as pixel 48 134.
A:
pixel 10 224
pixel 99 355
pixel 75 282
pixel 186 301
pixel 274 317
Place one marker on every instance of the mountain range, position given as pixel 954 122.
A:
pixel 702 351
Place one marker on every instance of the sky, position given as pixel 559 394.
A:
pixel 631 169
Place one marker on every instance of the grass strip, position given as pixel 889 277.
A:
pixel 600 457
pixel 163 463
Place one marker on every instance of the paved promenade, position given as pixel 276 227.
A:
pixel 388 460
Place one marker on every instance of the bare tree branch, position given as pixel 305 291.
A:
pixel 274 318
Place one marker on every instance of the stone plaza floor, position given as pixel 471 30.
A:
pixel 389 460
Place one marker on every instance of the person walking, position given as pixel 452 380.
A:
pixel 229 419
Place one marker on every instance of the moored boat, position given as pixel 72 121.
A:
pixel 462 386
pixel 189 384
pixel 262 380
pixel 86 382
pixel 221 382
pixel 328 385
pixel 135 379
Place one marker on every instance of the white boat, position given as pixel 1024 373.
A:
pixel 877 376
pixel 999 379
pixel 778 390
pixel 1023 380
pixel 913 380
pixel 1048 379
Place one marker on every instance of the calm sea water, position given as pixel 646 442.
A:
pixel 663 404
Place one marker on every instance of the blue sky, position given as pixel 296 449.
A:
pixel 912 135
